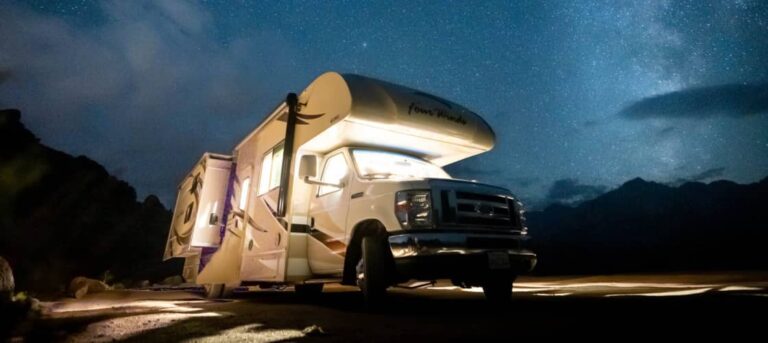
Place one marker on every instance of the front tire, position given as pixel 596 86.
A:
pixel 498 289
pixel 373 270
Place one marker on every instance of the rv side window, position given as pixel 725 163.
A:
pixel 334 172
pixel 271 167
pixel 244 193
pixel 277 166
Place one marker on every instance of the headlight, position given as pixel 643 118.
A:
pixel 413 209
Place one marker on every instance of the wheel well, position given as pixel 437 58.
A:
pixel 369 227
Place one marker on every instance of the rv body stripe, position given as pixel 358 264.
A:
pixel 336 246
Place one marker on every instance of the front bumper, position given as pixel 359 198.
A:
pixel 458 255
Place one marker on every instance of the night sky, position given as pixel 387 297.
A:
pixel 582 96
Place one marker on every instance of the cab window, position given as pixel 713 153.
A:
pixel 334 172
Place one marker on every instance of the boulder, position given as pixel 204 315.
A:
pixel 80 286
pixel 7 283
pixel 313 330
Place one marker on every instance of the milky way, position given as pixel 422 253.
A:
pixel 581 95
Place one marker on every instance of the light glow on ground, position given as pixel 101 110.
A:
pixel 253 333
pixel 612 289
pixel 124 327
pixel 663 294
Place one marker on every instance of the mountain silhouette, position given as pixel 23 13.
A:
pixel 648 226
pixel 63 216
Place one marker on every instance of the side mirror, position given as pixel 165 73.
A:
pixel 321 183
pixel 307 166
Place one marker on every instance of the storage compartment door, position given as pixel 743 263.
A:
pixel 209 230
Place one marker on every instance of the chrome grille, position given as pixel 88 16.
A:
pixel 477 209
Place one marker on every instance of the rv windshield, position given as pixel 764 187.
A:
pixel 374 164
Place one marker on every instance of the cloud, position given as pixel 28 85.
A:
pixel 666 131
pixel 571 191
pixel 733 100
pixel 144 92
pixel 706 175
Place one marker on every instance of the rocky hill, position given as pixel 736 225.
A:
pixel 647 226
pixel 62 216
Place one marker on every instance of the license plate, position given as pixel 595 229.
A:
pixel 498 260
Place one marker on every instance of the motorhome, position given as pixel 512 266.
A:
pixel 344 183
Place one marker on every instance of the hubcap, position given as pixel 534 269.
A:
pixel 360 269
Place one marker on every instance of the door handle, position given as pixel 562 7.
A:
pixel 357 195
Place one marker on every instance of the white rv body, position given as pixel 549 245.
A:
pixel 285 228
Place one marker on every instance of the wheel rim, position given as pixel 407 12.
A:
pixel 360 273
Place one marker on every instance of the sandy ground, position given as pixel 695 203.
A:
pixel 615 307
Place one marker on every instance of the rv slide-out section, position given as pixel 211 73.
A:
pixel 198 217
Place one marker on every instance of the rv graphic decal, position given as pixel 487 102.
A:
pixel 183 233
pixel 300 117
pixel 436 112
pixel 336 246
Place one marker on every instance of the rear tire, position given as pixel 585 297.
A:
pixel 217 291
pixel 308 289
pixel 372 270
pixel 498 289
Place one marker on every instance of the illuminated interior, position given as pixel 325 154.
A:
pixel 388 165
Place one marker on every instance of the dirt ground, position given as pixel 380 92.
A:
pixel 619 307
